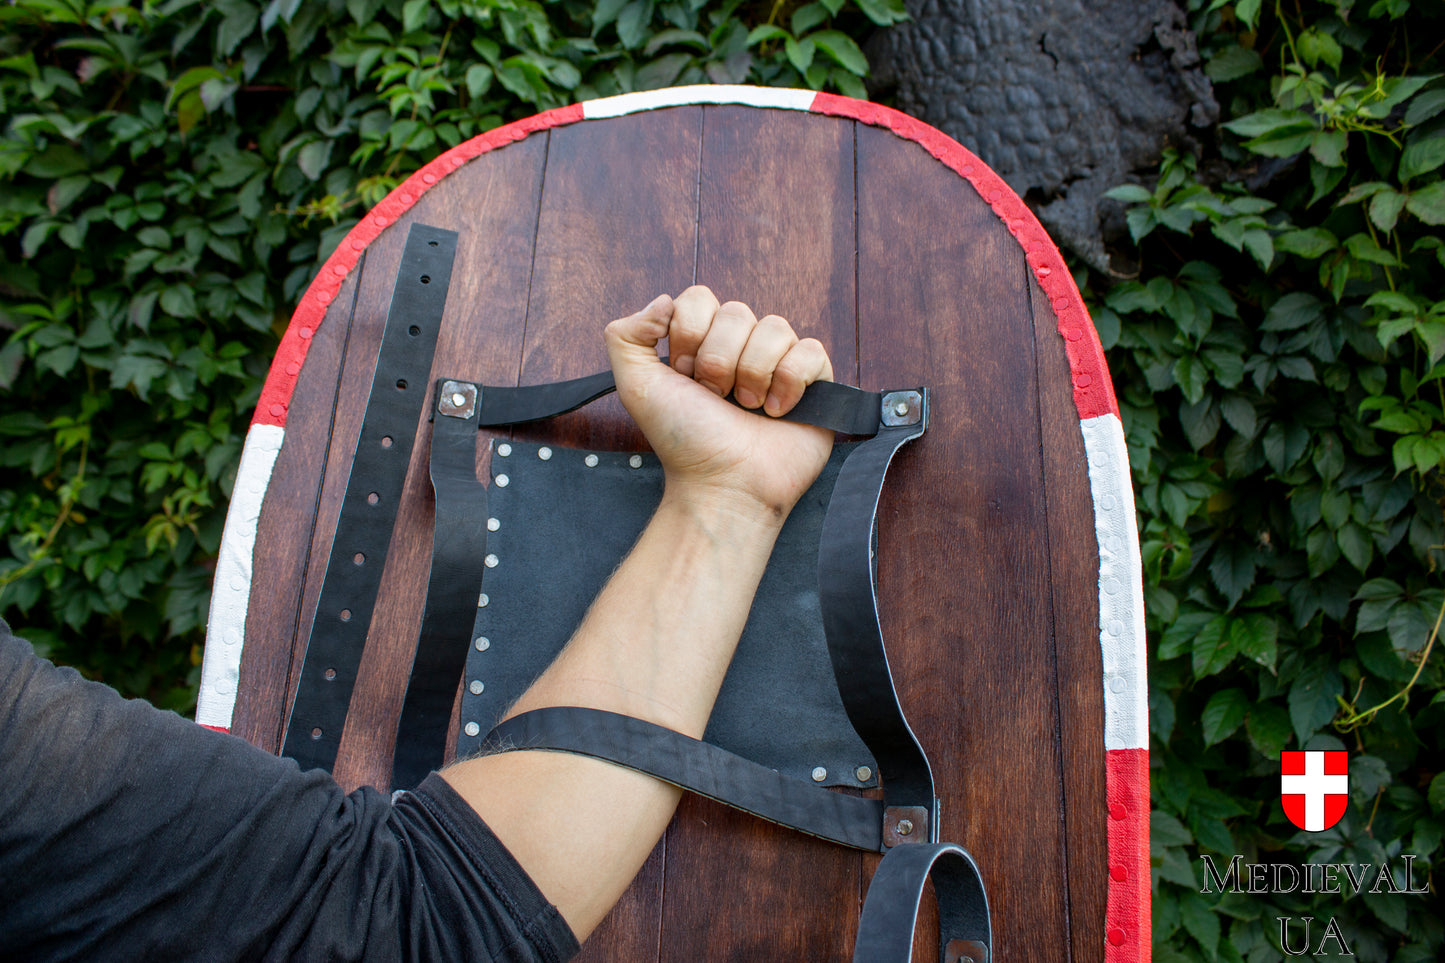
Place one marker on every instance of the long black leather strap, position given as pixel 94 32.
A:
pixel 459 544
pixel 885 932
pixel 837 407
pixel 697 767
pixel 847 573
pixel 373 492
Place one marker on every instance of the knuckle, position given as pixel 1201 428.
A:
pixel 711 366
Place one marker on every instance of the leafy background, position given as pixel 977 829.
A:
pixel 175 172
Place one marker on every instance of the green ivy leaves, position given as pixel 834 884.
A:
pixel 1279 361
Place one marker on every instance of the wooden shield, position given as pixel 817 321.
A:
pixel 1008 576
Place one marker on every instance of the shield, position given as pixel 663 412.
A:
pixel 1006 566
pixel 1314 787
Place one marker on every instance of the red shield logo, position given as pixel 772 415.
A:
pixel 1314 787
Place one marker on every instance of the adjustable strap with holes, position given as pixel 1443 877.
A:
pixel 373 492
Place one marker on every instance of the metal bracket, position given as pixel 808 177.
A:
pixel 905 824
pixel 965 951
pixel 900 408
pixel 457 399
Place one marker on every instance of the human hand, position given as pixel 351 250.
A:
pixel 711 449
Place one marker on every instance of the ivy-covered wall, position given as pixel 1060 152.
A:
pixel 174 172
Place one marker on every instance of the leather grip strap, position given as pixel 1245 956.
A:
pixel 827 404
pixel 697 767
pixel 373 492
pixel 885 932
pixel 847 571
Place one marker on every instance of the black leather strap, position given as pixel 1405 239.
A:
pixel 837 407
pixel 461 507
pixel 697 767
pixel 847 573
pixel 373 491
pixel 885 933
pixel 459 542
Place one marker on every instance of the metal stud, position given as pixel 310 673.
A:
pixel 493 524
pixel 863 773
pixel 590 461
pixel 459 400
pixel 901 409
pixel 503 481
pixel 476 687
pixel 504 449
pixel 483 643
pixel 482 600
pixel 491 561
pixel 905 827
pixel 819 774
pixel 635 461
pixel 472 729
pixel 544 453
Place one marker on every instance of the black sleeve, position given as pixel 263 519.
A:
pixel 128 833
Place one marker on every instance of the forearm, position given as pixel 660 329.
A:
pixel 655 645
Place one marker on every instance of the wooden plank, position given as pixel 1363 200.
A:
pixel 492 203
pixel 775 232
pixel 1074 587
pixel 963 573
pixel 285 531
pixel 617 227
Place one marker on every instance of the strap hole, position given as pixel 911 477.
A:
pixel 426 279
pixel 316 733
pixel 431 243
pixel 400 384
pixel 358 558
pixel 413 331
pixel 372 498
pixel 345 615
pixel 386 441
pixel 330 675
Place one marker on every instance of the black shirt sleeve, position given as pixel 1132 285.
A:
pixel 128 833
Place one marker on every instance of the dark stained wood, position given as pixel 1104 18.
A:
pixel 963 555
pixel 988 571
pixel 775 232
pixel 285 531
pixel 617 227
pixel 1074 586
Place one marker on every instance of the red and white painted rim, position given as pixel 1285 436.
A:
pixel 1121 599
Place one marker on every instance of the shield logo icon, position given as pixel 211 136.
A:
pixel 1314 787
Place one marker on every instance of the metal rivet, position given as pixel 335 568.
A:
pixel 491 561
pixel 819 774
pixel 503 481
pixel 483 643
pixel 590 461
pixel 482 600
pixel 905 827
pixel 459 400
pixel 863 773
pixel 472 729
pixel 476 687
pixel 635 461
pixel 493 524
pixel 900 409
pixel 544 453
pixel 504 449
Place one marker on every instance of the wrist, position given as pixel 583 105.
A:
pixel 724 513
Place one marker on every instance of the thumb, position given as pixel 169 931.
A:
pixel 632 341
